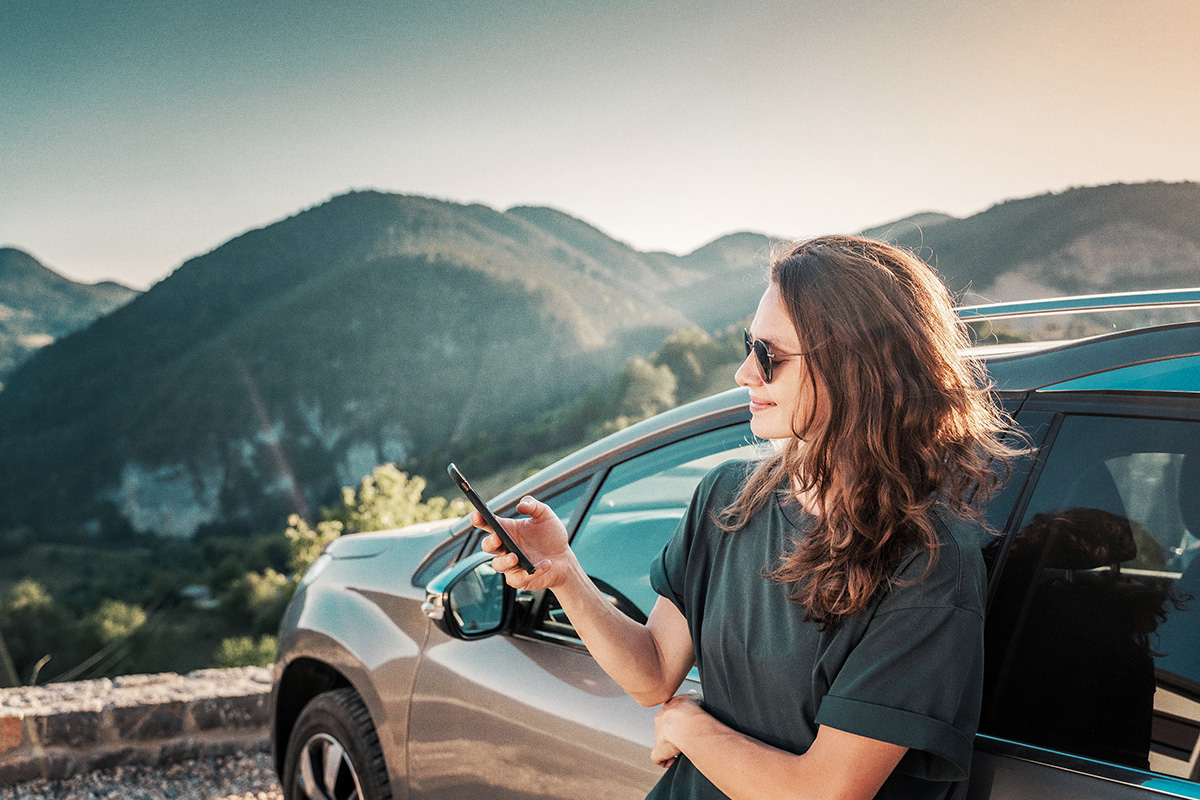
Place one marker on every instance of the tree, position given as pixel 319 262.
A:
pixel 387 498
pixel 243 651
pixel 307 542
pixel 682 353
pixel 34 625
pixel 701 363
pixel 646 389
pixel 259 598
pixel 115 620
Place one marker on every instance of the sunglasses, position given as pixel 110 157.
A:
pixel 764 357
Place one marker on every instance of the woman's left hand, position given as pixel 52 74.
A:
pixel 671 723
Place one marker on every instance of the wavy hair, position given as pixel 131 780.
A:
pixel 904 423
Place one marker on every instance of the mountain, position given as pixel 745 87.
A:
pixel 258 378
pixel 1086 240
pixel 38 306
pixel 915 223
pixel 735 270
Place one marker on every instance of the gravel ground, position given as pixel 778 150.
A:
pixel 240 777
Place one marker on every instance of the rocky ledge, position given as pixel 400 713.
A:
pixel 64 729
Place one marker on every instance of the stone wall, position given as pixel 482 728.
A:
pixel 62 729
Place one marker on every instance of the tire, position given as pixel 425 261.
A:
pixel 335 729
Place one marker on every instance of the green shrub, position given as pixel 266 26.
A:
pixel 243 651
pixel 115 620
pixel 387 498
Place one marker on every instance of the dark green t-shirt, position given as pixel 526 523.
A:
pixel 908 670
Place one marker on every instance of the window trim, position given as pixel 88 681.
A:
pixel 1105 770
pixel 1022 505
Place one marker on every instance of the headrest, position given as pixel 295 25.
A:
pixel 1077 538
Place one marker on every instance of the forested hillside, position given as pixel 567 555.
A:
pixel 1087 240
pixel 260 377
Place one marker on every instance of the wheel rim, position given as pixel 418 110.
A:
pixel 325 771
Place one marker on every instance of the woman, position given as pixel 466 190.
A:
pixel 837 623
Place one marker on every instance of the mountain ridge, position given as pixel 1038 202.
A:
pixel 39 306
pixel 1047 245
pixel 259 377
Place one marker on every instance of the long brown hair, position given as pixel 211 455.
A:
pixel 903 423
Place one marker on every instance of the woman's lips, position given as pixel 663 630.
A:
pixel 759 405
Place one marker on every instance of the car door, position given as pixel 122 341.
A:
pixel 1093 632
pixel 529 713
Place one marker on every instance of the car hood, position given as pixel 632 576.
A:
pixel 365 545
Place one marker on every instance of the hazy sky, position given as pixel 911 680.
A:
pixel 134 135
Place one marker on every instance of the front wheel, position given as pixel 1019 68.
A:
pixel 334 752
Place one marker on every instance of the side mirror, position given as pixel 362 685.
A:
pixel 469 600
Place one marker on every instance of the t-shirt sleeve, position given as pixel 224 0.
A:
pixel 668 571
pixel 914 679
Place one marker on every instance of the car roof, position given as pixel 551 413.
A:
pixel 1114 355
pixel 1130 360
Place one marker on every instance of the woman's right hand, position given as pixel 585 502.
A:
pixel 542 537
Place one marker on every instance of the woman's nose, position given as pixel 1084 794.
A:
pixel 748 374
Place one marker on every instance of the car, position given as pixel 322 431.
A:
pixel 407 667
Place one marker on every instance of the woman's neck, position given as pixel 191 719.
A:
pixel 807 498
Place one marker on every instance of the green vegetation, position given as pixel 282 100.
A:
pixel 387 498
pixel 689 365
pixel 70 612
pixel 243 651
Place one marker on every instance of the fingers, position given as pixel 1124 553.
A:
pixel 504 562
pixel 664 754
pixel 534 509
pixel 518 578
pixel 492 544
pixel 541 534
pixel 529 506
pixel 692 697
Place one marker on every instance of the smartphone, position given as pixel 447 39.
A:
pixel 522 560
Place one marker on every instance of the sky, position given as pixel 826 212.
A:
pixel 135 135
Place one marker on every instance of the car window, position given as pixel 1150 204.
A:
pixel 1170 375
pixel 566 503
pixel 1093 633
pixel 640 504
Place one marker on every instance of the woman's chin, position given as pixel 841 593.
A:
pixel 762 426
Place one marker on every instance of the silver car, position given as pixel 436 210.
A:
pixel 408 669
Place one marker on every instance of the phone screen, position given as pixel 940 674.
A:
pixel 522 561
